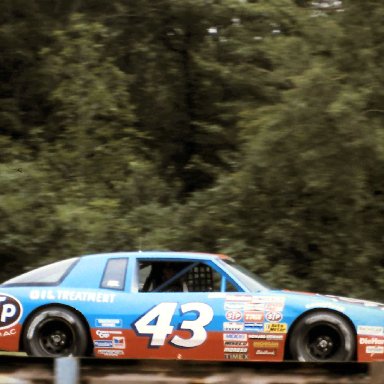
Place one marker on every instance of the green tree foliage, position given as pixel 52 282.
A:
pixel 252 128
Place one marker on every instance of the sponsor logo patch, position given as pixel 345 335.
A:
pixel 270 303
pixel 61 294
pixel 236 356
pixel 265 352
pixel 266 344
pixel 236 349
pixel 103 343
pixel 106 334
pixel 10 311
pixel 118 342
pixel 274 317
pixel 253 316
pixel 6 333
pixel 266 337
pixel 233 315
pixel 233 326
pixel 233 306
pixel 109 323
pixel 110 352
pixel 371 341
pixel 370 330
pixel 276 327
pixel 235 343
pixel 235 336
pixel 238 298
pixel 373 350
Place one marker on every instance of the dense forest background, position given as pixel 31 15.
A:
pixel 251 128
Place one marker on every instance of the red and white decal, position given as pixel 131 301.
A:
pixel 253 317
pixel 370 348
pixel 233 315
pixel 10 311
pixel 274 317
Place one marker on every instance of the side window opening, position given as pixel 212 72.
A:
pixel 162 276
pixel 202 278
pixel 168 276
pixel 114 274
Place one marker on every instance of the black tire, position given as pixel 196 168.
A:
pixel 322 336
pixel 54 332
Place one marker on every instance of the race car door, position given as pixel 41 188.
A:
pixel 178 311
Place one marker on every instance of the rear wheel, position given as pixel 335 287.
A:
pixel 322 336
pixel 55 332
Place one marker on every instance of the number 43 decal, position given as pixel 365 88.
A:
pixel 159 329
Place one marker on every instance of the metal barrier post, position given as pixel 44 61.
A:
pixel 67 370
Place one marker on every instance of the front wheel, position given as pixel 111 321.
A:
pixel 322 336
pixel 55 332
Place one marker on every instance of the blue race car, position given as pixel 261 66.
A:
pixel 177 305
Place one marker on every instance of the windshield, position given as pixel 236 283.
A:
pixel 51 274
pixel 248 279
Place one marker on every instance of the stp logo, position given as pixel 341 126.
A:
pixel 10 311
pixel 233 315
pixel 274 317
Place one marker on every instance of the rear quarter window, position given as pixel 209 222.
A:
pixel 114 274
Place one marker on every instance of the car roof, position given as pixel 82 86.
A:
pixel 160 255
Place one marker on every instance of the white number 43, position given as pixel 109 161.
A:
pixel 159 329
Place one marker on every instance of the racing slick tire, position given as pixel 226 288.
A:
pixel 322 336
pixel 54 332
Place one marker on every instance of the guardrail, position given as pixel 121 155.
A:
pixel 69 370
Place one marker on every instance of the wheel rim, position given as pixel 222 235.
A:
pixel 56 338
pixel 324 342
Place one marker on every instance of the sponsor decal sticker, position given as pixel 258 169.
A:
pixel 106 334
pixel 254 307
pixel 109 323
pixel 113 283
pixel 371 341
pixel 236 356
pixel 10 332
pixel 254 327
pixel 236 349
pixel 265 352
pixel 110 352
pixel 253 316
pixel 373 350
pixel 266 337
pixel 233 315
pixel 269 303
pixel 233 306
pixel 10 311
pixel 235 343
pixel 275 327
pixel 118 342
pixel 103 343
pixel 67 295
pixel 235 337
pixel 266 344
pixel 370 330
pixel 238 298
pixel 233 326
pixel 274 317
